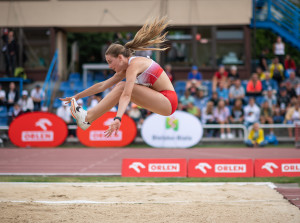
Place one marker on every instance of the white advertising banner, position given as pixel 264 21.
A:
pixel 180 130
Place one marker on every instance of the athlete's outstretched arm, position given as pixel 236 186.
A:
pixel 97 88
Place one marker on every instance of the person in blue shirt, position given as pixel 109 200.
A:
pixel 269 84
pixel 194 75
pixel 223 92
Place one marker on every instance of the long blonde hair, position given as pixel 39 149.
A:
pixel 150 34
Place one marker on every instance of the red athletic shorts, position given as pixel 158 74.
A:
pixel 172 96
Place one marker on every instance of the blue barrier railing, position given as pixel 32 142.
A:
pixel 281 16
pixel 50 80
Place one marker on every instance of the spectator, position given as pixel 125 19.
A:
pixel 193 89
pixel 256 137
pixel 180 106
pixel 64 113
pixel 193 109
pixel 237 113
pixel 200 100
pixel 263 59
pixel 186 98
pixel 223 92
pixel 10 52
pixel 292 115
pixel 37 95
pixel 290 90
pixel 168 70
pixel 254 86
pixel 2 96
pixel 271 99
pixel 289 65
pixel 81 104
pixel 293 79
pixel 276 71
pixel 207 117
pixel 135 113
pixel 221 115
pixel 283 100
pixel 194 75
pixel 279 49
pixel 220 76
pixel 12 95
pixel 215 98
pixel 269 84
pixel 266 115
pixel 94 100
pixel 236 92
pixel 233 75
pixel 261 74
pixel 26 102
pixel 251 112
pixel 14 113
pixel 277 117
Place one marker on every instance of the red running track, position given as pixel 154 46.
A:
pixel 107 161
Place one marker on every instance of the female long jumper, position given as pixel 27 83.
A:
pixel 147 84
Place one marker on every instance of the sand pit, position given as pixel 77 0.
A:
pixel 143 202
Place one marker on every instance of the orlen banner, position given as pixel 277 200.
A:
pixel 154 168
pixel 180 130
pixel 38 129
pixel 94 136
pixel 277 167
pixel 220 168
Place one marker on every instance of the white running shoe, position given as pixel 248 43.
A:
pixel 79 114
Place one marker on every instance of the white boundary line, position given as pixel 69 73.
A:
pixel 114 184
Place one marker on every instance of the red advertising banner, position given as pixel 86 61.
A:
pixel 154 168
pixel 220 168
pixel 277 167
pixel 94 136
pixel 38 129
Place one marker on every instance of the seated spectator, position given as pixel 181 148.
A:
pixel 215 98
pixel 14 113
pixel 37 95
pixel 194 75
pixel 277 117
pixel 276 71
pixel 186 98
pixel 168 70
pixel 261 74
pixel 200 100
pixel 193 109
pixel 12 96
pixel 290 90
pixel 193 89
pixel 271 99
pixel 251 112
pixel 266 114
pixel 26 102
pixel 293 80
pixel 94 100
pixel 254 86
pixel 269 84
pixel 256 137
pixel 292 115
pixel 236 91
pixel 223 92
pixel 64 113
pixel 283 100
pixel 233 75
pixel 207 117
pixel 2 96
pixel 221 115
pixel 289 65
pixel 180 106
pixel 220 76
pixel 237 113
pixel 81 104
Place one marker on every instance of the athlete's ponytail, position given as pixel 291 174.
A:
pixel 150 34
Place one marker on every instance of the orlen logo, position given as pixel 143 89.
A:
pixel 230 168
pixel 39 136
pixel 202 167
pixel 136 166
pixel 290 167
pixel 172 122
pixel 269 166
pixel 38 129
pixel 163 167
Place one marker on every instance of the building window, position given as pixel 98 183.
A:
pixel 230 53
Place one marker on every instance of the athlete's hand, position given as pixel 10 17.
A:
pixel 113 127
pixel 67 100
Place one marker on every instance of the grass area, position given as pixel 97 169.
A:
pixel 134 179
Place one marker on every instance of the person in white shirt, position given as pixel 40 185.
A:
pixel 26 102
pixel 37 95
pixel 2 96
pixel 252 113
pixel 64 113
pixel 279 49
pixel 221 114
